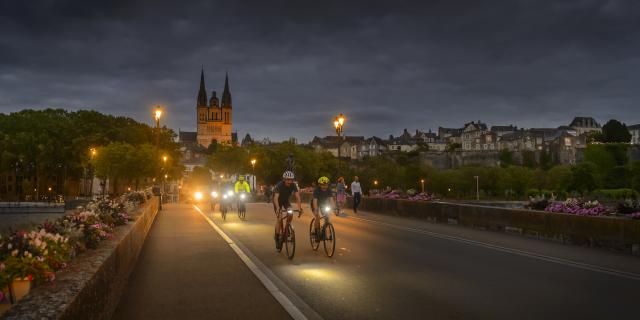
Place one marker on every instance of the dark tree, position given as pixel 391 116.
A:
pixel 506 158
pixel 615 131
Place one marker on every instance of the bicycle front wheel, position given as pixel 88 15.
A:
pixel 312 236
pixel 329 239
pixel 278 239
pixel 290 242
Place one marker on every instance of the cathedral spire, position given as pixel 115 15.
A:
pixel 202 93
pixel 226 94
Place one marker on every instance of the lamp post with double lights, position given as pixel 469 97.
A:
pixel 253 172
pixel 157 115
pixel 338 123
pixel 92 153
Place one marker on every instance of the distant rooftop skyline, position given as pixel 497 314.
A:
pixel 293 66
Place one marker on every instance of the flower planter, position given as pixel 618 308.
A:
pixel 19 288
pixel 5 303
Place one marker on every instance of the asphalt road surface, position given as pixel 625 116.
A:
pixel 397 268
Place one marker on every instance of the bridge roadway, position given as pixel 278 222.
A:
pixel 397 268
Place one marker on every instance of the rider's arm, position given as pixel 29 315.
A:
pixel 247 188
pixel 299 201
pixel 315 204
pixel 276 205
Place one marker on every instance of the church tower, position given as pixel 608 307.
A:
pixel 214 117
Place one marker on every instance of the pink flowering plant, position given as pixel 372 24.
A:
pixel 36 254
pixel 411 194
pixel 578 207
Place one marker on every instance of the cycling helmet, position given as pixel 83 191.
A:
pixel 241 178
pixel 288 175
pixel 323 180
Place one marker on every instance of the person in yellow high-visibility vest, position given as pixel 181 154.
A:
pixel 242 190
pixel 242 185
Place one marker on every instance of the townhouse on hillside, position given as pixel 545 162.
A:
pixel 635 133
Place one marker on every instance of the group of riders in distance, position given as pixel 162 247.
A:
pixel 321 229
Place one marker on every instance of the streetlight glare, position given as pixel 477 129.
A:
pixel 253 161
pixel 341 119
pixel 158 113
pixel 164 158
pixel 336 124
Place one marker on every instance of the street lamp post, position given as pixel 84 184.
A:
pixel 158 115
pixel 253 172
pixel 338 123
pixel 422 182
pixel 93 153
pixel 477 187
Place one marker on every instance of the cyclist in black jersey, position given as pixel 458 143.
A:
pixel 281 194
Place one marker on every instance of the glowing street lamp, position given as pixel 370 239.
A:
pixel 338 123
pixel 253 172
pixel 422 182
pixel 158 114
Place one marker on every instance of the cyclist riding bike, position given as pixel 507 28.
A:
pixel 241 186
pixel 322 197
pixel 282 192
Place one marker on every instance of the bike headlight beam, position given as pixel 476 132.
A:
pixel 214 194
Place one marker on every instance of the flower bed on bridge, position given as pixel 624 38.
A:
pixel 35 255
pixel 628 208
pixel 411 195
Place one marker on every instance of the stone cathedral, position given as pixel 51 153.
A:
pixel 215 117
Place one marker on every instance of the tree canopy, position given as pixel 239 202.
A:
pixel 51 139
pixel 615 131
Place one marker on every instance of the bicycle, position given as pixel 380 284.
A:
pixel 225 204
pixel 288 236
pixel 327 235
pixel 242 208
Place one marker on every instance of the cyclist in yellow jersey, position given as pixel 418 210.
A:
pixel 242 185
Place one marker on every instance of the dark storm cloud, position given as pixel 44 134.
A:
pixel 295 64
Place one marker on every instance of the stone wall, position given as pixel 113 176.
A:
pixel 90 288
pixel 613 233
pixel 456 159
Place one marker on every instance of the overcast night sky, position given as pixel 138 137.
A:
pixel 293 65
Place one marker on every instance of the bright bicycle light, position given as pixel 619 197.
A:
pixel 214 194
pixel 242 196
pixel 224 196
pixel 230 193
pixel 198 195
pixel 327 209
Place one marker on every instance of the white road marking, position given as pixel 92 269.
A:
pixel 286 303
pixel 565 262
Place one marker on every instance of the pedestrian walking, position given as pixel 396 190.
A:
pixel 356 190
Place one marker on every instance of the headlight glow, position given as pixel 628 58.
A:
pixel 214 194
pixel 198 195
pixel 230 193
pixel 242 196
pixel 289 211
pixel 327 209
pixel 224 196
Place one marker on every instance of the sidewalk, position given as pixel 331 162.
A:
pixel 187 271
